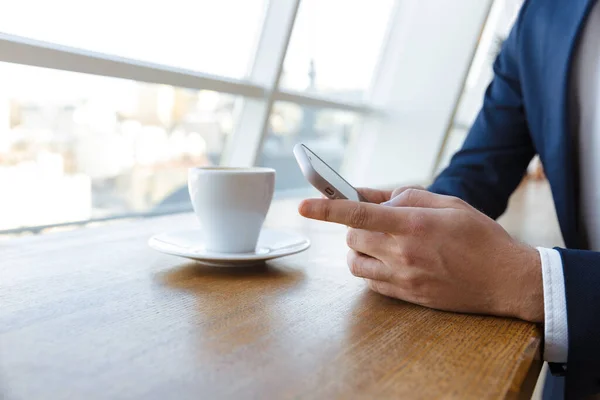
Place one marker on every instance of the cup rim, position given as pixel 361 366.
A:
pixel 230 170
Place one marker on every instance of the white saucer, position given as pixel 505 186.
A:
pixel 271 244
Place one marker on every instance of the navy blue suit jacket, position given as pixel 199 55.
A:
pixel 526 111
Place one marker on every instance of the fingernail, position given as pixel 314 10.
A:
pixel 387 203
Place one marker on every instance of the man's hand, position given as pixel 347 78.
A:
pixel 439 252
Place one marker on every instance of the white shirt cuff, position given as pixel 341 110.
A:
pixel 556 332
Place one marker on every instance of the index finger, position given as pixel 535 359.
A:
pixel 357 215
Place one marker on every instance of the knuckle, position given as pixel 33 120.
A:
pixel 414 281
pixel 326 211
pixel 424 299
pixel 375 286
pixel 382 288
pixel 356 266
pixel 409 197
pixel 358 217
pixel 403 189
pixel 352 238
pixel 418 288
pixel 406 256
pixel 457 202
pixel 411 192
pixel 350 258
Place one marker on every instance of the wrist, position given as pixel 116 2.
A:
pixel 529 286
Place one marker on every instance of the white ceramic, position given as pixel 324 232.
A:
pixel 231 205
pixel 189 244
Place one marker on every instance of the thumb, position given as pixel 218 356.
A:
pixel 399 191
pixel 402 189
pixel 424 199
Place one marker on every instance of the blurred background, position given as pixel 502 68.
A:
pixel 104 106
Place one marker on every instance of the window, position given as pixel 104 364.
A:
pixel 326 132
pixel 75 146
pixel 104 105
pixel 497 28
pixel 335 46
pixel 215 37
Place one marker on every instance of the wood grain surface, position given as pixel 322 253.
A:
pixel 97 314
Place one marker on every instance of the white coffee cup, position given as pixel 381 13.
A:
pixel 231 205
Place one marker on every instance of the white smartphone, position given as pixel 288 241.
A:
pixel 323 177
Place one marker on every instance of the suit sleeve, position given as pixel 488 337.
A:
pixel 582 287
pixel 498 148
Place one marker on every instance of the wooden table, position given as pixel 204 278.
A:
pixel 97 314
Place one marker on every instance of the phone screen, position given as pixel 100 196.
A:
pixel 332 177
